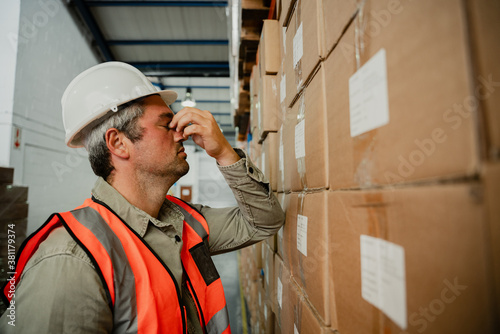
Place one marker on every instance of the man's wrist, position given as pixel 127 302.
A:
pixel 227 158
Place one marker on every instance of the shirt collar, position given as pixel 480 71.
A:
pixel 169 216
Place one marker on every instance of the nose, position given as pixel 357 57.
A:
pixel 178 137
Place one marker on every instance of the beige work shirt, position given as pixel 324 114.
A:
pixel 60 291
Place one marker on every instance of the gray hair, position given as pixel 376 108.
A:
pixel 126 121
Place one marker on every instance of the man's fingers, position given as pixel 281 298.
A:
pixel 189 118
pixel 191 113
pixel 191 130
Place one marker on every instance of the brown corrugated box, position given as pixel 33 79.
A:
pixel 298 317
pixel 256 152
pixel 485 33
pixel 268 270
pixel 310 171
pixel 309 265
pixel 284 10
pixel 269 49
pixel 336 15
pixel 255 80
pixel 491 181
pixel 443 232
pixel 270 159
pixel 287 170
pixel 6 175
pixel 269 115
pixel 284 200
pixel 432 132
pixel 285 233
pixel 282 281
pixel 305 43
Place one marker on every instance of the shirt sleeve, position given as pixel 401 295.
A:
pixel 258 215
pixel 60 292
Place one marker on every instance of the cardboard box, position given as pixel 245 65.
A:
pixel 299 317
pixel 270 159
pixel 337 14
pixel 491 181
pixel 269 116
pixel 281 292
pixel 307 223
pixel 256 152
pixel 284 201
pixel 254 100
pixel 13 194
pixel 269 49
pixel 429 132
pixel 285 9
pixel 268 269
pixel 432 260
pixel 305 144
pixel 6 175
pixel 254 81
pixel 285 233
pixel 304 46
pixel 268 318
pixel 286 156
pixel 485 32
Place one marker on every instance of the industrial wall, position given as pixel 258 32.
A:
pixel 51 51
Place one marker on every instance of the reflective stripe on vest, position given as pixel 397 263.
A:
pixel 139 286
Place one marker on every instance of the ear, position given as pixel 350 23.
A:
pixel 117 143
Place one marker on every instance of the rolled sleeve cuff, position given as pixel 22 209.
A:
pixel 244 167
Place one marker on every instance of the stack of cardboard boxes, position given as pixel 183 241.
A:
pixel 385 156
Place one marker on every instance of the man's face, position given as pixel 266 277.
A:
pixel 160 151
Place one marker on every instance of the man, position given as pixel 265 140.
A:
pixel 129 259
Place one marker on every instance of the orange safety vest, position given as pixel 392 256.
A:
pixel 141 289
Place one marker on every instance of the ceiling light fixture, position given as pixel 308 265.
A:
pixel 188 99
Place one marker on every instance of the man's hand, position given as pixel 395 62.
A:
pixel 202 127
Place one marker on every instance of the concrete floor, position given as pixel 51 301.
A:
pixel 227 265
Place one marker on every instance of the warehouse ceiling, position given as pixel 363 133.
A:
pixel 177 44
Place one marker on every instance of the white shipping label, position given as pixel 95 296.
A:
pixel 368 96
pixel 280 293
pixel 300 142
pixel 298 46
pixel 302 234
pixel 283 88
pixel 383 278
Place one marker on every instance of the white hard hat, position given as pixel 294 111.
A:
pixel 101 89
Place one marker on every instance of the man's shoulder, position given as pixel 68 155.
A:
pixel 58 243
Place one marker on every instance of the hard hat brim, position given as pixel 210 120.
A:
pixel 75 141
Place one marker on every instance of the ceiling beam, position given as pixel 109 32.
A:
pixel 170 42
pixel 181 64
pixel 193 86
pixel 207 101
pixel 91 23
pixel 187 3
pixel 183 69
